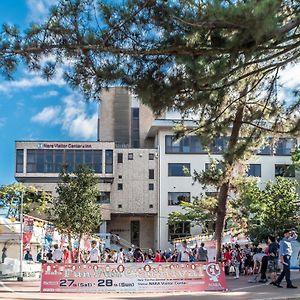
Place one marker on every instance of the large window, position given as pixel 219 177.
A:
pixel 52 161
pixel 104 198
pixel 19 161
pixel 174 198
pixel 285 146
pixel 254 170
pixel 109 161
pixel 284 170
pixel 151 173
pixel 179 169
pixel 179 230
pixel 192 144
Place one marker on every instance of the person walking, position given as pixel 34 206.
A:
pixel 285 253
pixel 202 253
pixel 94 253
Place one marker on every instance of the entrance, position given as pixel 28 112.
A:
pixel 135 233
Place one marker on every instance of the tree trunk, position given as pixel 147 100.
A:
pixel 70 246
pixel 78 252
pixel 223 194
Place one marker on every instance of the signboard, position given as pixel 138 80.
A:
pixel 132 277
pixel 64 146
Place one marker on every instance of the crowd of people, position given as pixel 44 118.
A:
pixel 247 260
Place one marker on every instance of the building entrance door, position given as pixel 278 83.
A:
pixel 135 233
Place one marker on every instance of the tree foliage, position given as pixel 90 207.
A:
pixel 272 210
pixel 35 202
pixel 75 211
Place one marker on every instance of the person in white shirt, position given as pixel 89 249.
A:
pixel 184 254
pixel 120 257
pixel 94 253
pixel 57 254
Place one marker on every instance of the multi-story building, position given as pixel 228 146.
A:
pixel 176 185
pixel 128 181
pixel 140 167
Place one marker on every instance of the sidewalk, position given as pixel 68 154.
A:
pixel 239 289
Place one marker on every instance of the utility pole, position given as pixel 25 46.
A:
pixel 20 277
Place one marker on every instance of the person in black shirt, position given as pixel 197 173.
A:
pixel 273 257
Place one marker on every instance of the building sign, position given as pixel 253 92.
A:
pixel 132 277
pixel 64 146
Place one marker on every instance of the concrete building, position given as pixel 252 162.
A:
pixel 128 181
pixel 140 169
pixel 175 185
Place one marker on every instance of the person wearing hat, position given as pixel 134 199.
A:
pixel 285 253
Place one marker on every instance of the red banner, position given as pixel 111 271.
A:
pixel 132 277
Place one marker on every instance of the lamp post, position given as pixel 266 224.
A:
pixel 20 277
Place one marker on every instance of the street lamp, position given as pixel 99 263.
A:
pixel 20 277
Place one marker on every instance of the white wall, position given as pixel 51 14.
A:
pixel 185 184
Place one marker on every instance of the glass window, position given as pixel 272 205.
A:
pixel 31 161
pixel 135 112
pixel 151 187
pixel 19 161
pixel 97 161
pixel 179 230
pixel 219 166
pixel 58 160
pixel 219 145
pixel 104 198
pixel 40 159
pixel 285 170
pixel 254 170
pixel 130 156
pixel 78 158
pixel 120 186
pixel 151 173
pixel 70 160
pixel 179 169
pixel 87 158
pixel 151 156
pixel 212 194
pixel 49 163
pixel 285 146
pixel 120 158
pixel 174 198
pixel 109 161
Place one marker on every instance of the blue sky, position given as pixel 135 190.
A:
pixel 32 108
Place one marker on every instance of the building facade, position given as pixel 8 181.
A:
pixel 141 169
pixel 128 182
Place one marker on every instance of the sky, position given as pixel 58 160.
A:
pixel 32 108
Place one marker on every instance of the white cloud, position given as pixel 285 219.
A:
pixel 46 95
pixel 76 120
pixel 31 82
pixel 47 115
pixel 38 10
pixel 72 116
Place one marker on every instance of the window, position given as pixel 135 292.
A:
pixel 104 198
pixel 285 146
pixel 285 170
pixel 19 161
pixel 192 144
pixel 151 173
pixel 150 205
pixel 254 170
pixel 130 156
pixel 212 194
pixel 135 127
pixel 178 169
pixel 108 161
pixel 119 205
pixel 52 161
pixel 120 176
pixel 120 158
pixel 151 156
pixel 174 198
pixel 120 186
pixel 151 186
pixel 179 230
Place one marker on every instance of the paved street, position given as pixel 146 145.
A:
pixel 238 289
